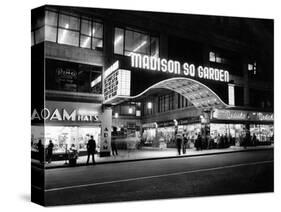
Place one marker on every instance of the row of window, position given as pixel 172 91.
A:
pixel 69 30
pixel 217 58
pixel 165 103
pixel 88 33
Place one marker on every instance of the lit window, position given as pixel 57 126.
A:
pixel 216 58
pixel 68 31
pixel 50 33
pixel 149 105
pixel 68 37
pixel 51 18
pixel 212 57
pixel 71 22
pixel 119 41
pixel 154 47
pixel 135 42
pixel 252 68
pixel 138 113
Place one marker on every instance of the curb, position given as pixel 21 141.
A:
pixel 156 158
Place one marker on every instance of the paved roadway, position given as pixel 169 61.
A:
pixel 239 172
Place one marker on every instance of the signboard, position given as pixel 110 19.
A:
pixel 189 120
pixel 118 83
pixel 242 115
pixel 175 67
pixel 231 95
pixel 105 144
pixel 67 112
pixel 166 123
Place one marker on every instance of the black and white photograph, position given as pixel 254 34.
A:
pixel 140 105
pixel 133 105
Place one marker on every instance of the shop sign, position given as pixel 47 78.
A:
pixel 175 67
pixel 117 84
pixel 166 123
pixel 242 115
pixel 188 120
pixel 265 116
pixel 63 115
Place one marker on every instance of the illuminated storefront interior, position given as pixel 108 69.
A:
pixel 64 136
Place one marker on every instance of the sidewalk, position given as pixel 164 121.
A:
pixel 149 153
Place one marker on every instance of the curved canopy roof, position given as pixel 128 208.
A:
pixel 197 93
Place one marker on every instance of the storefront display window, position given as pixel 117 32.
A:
pixel 149 136
pixel 64 137
pixel 264 133
pixel 167 134
pixel 235 130
pixel 37 133
pixel 191 130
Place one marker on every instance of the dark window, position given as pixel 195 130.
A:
pixel 74 77
pixel 261 98
pixel 166 103
pixel 239 96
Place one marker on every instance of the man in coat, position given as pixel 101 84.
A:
pixel 91 149
pixel 179 143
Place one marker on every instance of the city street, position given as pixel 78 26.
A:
pixel 237 172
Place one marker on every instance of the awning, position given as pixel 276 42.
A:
pixel 197 93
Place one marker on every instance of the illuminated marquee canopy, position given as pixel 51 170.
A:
pixel 197 93
pixel 175 67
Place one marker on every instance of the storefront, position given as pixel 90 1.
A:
pixel 67 124
pixel 236 123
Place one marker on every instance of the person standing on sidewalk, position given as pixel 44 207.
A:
pixel 50 151
pixel 179 143
pixel 185 141
pixel 198 142
pixel 114 148
pixel 91 149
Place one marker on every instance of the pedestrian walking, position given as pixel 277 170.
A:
pixel 221 142
pixel 254 140
pixel 91 150
pixel 50 151
pixel 114 148
pixel 179 143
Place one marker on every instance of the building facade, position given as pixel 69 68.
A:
pixel 144 77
